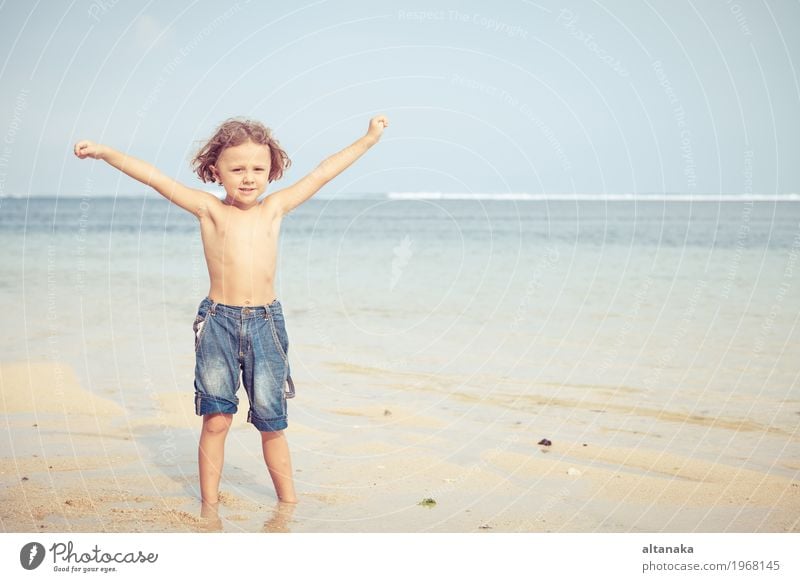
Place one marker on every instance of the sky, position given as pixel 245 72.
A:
pixel 504 97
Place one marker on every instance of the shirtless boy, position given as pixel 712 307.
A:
pixel 239 326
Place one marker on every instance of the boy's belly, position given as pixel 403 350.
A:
pixel 242 290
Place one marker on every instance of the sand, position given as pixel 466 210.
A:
pixel 73 461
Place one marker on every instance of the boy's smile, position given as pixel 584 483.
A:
pixel 243 171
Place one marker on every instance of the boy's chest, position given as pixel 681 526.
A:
pixel 241 232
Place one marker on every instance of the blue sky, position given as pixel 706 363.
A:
pixel 515 96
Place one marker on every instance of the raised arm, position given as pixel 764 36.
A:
pixel 293 196
pixel 191 200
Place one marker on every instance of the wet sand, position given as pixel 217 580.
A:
pixel 73 461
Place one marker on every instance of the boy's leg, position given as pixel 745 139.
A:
pixel 211 454
pixel 279 463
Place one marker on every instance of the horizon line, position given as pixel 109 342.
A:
pixel 489 196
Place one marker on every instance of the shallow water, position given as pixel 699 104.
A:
pixel 662 324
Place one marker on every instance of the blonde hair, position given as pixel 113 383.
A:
pixel 233 132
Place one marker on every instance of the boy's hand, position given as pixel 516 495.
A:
pixel 88 149
pixel 376 126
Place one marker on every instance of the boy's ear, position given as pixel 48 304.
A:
pixel 214 172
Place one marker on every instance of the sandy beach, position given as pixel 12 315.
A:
pixel 76 462
pixel 664 376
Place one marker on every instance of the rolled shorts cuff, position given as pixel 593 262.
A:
pixel 267 425
pixel 207 404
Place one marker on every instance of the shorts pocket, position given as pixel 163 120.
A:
pixel 199 328
pixel 280 337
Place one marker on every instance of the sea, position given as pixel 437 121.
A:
pixel 660 321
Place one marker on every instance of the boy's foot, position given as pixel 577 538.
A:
pixel 209 516
pixel 280 519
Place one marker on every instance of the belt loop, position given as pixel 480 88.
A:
pixel 266 312
pixel 213 307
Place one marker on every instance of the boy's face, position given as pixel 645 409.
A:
pixel 243 171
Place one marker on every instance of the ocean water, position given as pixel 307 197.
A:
pixel 637 321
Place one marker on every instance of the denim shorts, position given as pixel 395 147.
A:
pixel 229 340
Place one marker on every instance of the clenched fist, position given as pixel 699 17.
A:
pixel 376 126
pixel 88 149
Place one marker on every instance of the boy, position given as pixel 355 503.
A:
pixel 240 325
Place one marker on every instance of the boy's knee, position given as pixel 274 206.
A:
pixel 217 423
pixel 271 434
